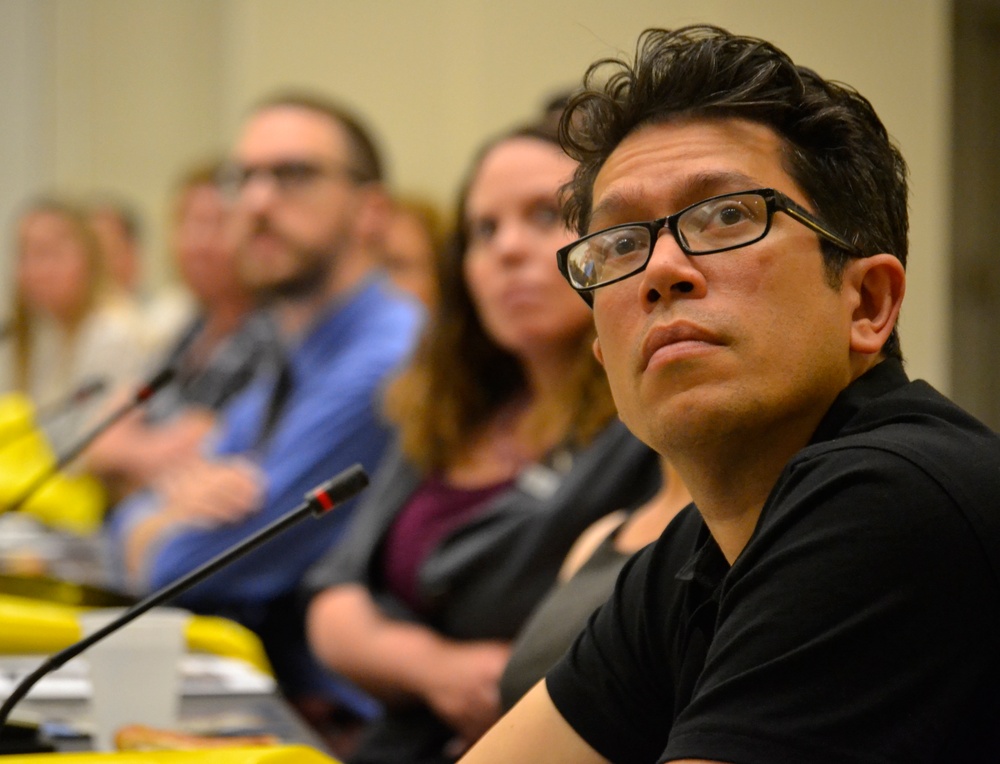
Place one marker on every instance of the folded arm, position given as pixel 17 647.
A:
pixel 396 660
pixel 203 493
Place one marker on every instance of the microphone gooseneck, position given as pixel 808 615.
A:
pixel 80 395
pixel 318 501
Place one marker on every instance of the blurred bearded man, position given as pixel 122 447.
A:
pixel 305 183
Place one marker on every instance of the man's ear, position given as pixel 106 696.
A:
pixel 597 351
pixel 876 285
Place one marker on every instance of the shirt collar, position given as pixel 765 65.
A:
pixel 707 567
pixel 882 378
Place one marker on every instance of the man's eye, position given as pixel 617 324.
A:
pixel 731 214
pixel 624 243
pixel 294 173
pixel 724 213
pixel 716 216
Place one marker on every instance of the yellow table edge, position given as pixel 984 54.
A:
pixel 280 754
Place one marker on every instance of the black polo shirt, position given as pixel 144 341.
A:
pixel 861 623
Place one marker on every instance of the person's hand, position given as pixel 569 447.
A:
pixel 463 688
pixel 210 493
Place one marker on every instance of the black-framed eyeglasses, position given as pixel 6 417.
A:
pixel 717 224
pixel 288 176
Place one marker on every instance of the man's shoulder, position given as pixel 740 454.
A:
pixel 914 424
pixel 376 302
pixel 373 331
pixel 910 459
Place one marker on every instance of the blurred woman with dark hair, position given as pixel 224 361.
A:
pixel 509 448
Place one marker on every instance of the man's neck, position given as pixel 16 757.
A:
pixel 731 482
pixel 294 316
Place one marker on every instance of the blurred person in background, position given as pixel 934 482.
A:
pixel 586 580
pixel 411 245
pixel 509 448
pixel 162 312
pixel 119 231
pixel 305 180
pixel 64 334
pixel 215 356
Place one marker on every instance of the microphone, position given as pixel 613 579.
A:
pixel 143 394
pixel 81 394
pixel 51 412
pixel 318 502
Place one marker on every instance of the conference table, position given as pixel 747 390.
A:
pixel 64 720
pixel 220 695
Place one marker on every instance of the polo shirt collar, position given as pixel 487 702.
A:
pixel 874 383
pixel 706 567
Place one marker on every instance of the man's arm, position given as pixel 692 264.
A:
pixel 201 494
pixel 532 731
pixel 140 453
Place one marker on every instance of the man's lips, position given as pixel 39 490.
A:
pixel 675 339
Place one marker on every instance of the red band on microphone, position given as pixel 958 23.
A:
pixel 154 385
pixel 324 501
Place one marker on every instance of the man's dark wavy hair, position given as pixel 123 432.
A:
pixel 835 147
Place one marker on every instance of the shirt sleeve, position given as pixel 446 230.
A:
pixel 615 686
pixel 856 625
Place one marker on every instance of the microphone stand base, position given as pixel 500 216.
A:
pixel 23 737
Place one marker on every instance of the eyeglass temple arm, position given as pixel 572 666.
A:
pixel 791 208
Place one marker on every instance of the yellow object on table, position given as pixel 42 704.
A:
pixel 74 503
pixel 33 627
pixel 279 754
pixel 17 417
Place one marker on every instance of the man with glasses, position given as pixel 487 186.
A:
pixel 834 596
pixel 305 183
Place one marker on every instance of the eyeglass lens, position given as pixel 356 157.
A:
pixel 286 176
pixel 710 226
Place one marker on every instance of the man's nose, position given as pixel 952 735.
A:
pixel 670 272
pixel 258 193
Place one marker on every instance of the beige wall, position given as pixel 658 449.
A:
pixel 119 94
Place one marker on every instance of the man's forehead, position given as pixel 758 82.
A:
pixel 666 166
pixel 283 132
pixel 700 185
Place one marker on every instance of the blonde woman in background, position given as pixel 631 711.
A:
pixel 62 335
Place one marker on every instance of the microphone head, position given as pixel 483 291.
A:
pixel 337 489
pixel 160 380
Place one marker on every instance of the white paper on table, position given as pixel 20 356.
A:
pixel 203 674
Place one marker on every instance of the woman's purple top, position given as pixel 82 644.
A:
pixel 433 511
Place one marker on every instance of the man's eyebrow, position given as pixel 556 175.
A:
pixel 692 189
pixel 614 203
